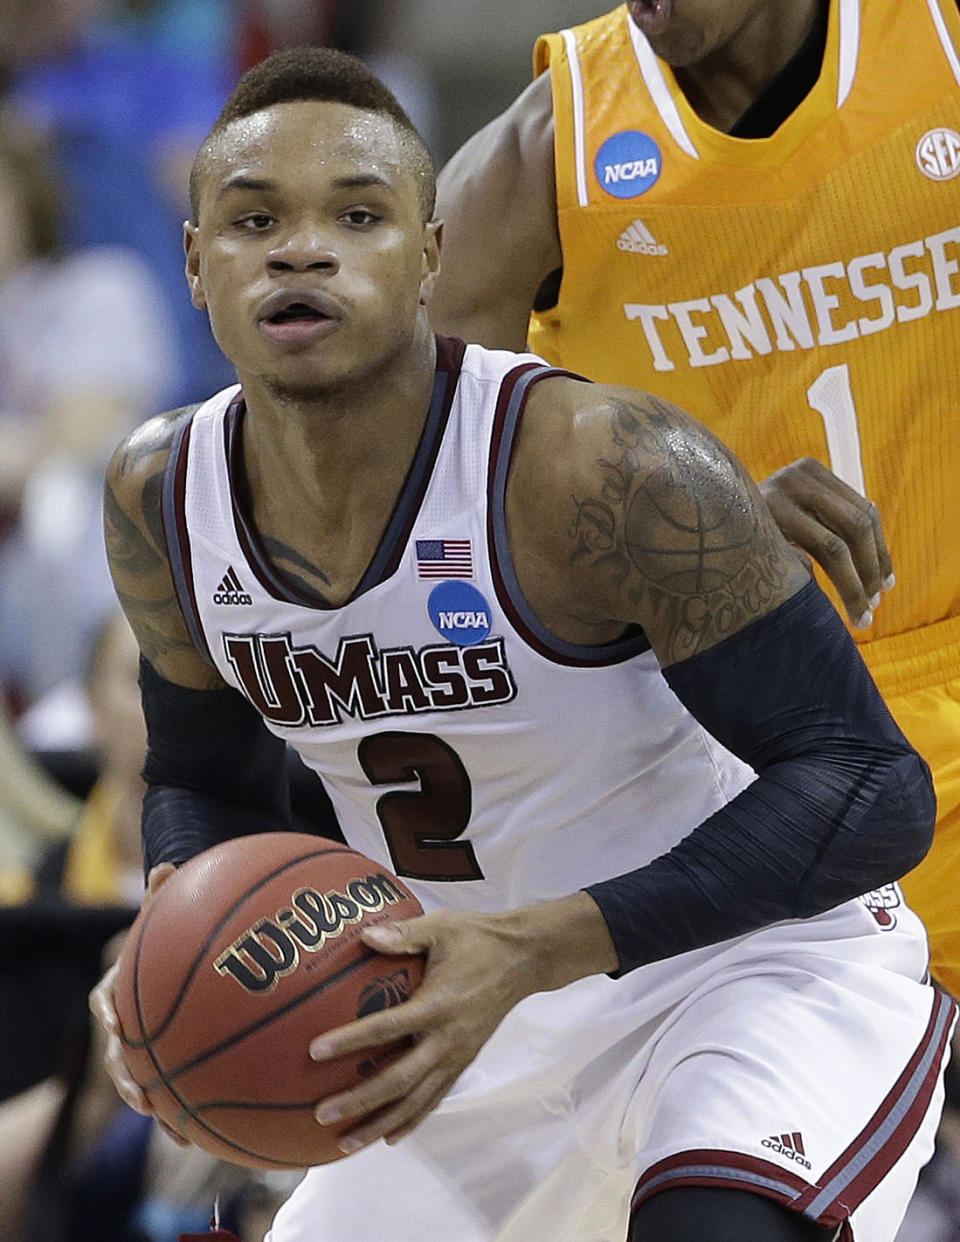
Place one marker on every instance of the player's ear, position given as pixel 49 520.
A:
pixel 192 266
pixel 430 259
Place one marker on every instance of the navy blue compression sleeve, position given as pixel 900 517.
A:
pixel 841 803
pixel 213 770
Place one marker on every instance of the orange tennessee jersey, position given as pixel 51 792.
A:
pixel 798 293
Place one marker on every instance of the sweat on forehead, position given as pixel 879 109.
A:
pixel 307 130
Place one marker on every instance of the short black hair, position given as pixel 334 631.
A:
pixel 326 75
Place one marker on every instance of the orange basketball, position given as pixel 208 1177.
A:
pixel 244 955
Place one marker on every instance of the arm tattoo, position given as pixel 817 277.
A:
pixel 136 545
pixel 675 528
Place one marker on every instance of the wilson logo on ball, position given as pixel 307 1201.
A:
pixel 271 947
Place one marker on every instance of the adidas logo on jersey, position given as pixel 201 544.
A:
pixel 789 1145
pixel 638 239
pixel 230 591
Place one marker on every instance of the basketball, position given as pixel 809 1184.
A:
pixel 241 958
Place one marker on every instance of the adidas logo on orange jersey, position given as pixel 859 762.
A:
pixel 230 591
pixel 638 239
pixel 790 1145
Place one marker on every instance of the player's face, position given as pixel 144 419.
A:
pixel 309 253
pixel 683 32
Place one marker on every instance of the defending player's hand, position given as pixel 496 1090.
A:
pixel 103 1009
pixel 472 980
pixel 838 528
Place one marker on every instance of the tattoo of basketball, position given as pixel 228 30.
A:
pixel 676 529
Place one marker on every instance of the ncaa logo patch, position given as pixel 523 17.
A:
pixel 459 612
pixel 938 154
pixel 628 164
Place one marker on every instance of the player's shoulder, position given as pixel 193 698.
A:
pixel 518 140
pixel 134 476
pixel 573 426
pixel 145 451
pixel 532 111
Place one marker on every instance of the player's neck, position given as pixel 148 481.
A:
pixel 340 457
pixel 350 422
pixel 722 86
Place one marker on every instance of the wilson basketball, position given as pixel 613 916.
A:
pixel 241 958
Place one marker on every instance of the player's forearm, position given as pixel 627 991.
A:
pixel 842 803
pixel 557 942
pixel 213 770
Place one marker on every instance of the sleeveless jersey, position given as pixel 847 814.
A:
pixel 461 745
pixel 798 293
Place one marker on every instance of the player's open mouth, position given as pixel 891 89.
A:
pixel 652 16
pixel 297 312
pixel 292 317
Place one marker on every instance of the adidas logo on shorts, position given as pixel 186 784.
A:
pixel 789 1145
pixel 638 239
pixel 230 591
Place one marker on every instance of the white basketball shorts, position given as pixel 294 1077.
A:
pixel 804 1063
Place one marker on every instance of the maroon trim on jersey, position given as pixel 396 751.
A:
pixel 511 402
pixel 174 518
pixel 396 536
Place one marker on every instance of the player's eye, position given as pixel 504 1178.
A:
pixel 255 221
pixel 359 216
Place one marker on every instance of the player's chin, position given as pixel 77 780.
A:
pixel 302 380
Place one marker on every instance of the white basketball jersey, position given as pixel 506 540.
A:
pixel 483 760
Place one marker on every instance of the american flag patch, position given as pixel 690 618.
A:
pixel 444 558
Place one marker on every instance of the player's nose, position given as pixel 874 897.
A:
pixel 302 247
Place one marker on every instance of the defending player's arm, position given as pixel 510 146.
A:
pixel 213 770
pixel 496 198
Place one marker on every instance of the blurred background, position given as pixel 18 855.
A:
pixel 102 106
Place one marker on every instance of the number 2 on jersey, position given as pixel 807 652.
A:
pixel 422 826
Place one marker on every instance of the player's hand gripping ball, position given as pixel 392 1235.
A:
pixel 244 955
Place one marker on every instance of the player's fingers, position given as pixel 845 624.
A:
pixel 808 489
pixel 126 1088
pixel 403 936
pixel 407 1112
pixel 387 1027
pixel 832 553
pixel 158 876
pixel 394 1082
pixel 857 522
pixel 396 1135
pixel 101 1001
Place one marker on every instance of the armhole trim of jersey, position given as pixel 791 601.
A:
pixel 947 40
pixel 173 514
pixel 514 391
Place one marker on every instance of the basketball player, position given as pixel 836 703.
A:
pixel 752 205
pixel 560 670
